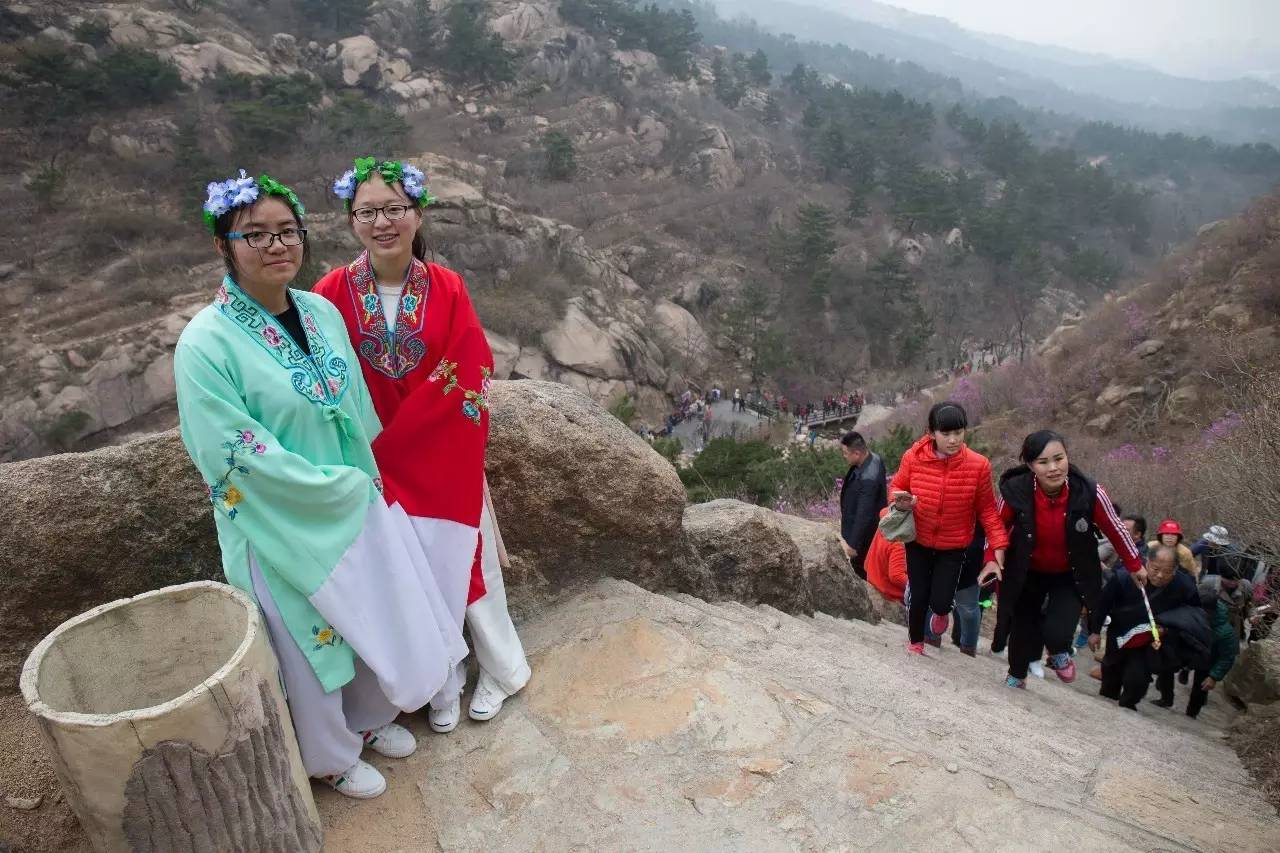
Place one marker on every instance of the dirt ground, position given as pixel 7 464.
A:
pixel 26 774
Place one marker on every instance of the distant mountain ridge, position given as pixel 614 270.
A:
pixel 1054 78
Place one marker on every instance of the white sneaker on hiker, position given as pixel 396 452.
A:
pixel 487 699
pixel 445 720
pixel 1036 668
pixel 391 741
pixel 361 782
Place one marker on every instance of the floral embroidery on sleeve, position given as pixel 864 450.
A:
pixel 473 402
pixel 325 637
pixel 223 494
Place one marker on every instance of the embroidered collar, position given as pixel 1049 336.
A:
pixel 322 377
pixel 391 352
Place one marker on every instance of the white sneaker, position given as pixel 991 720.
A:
pixel 391 740
pixel 487 699
pixel 361 782
pixel 445 720
pixel 1036 668
pixel 1003 654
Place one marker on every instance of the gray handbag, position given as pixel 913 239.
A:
pixel 898 525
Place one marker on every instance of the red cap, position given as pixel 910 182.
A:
pixel 1169 526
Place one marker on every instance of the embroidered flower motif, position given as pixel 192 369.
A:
pixel 271 336
pixel 377 484
pixel 334 386
pixel 469 409
pixel 409 303
pixel 317 389
pixel 445 370
pixel 222 297
pixel 309 323
pixel 370 303
pixel 324 637
pixel 222 494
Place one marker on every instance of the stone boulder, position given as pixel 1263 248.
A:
pixel 752 554
pixel 355 57
pixel 678 332
pixel 526 22
pixel 836 589
pixel 578 495
pixel 96 527
pixel 713 164
pixel 1255 678
pixel 199 62
pixel 578 343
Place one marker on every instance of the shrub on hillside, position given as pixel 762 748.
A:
pixel 760 473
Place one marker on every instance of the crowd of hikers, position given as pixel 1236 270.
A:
pixel 1057 559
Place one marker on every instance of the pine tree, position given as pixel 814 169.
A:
pixel 725 83
pixel 758 69
pixel 772 112
pixel 342 17
pixel 561 157
pixel 423 30
pixel 831 151
pixel 472 50
pixel 815 240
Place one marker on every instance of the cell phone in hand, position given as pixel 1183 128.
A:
pixel 902 499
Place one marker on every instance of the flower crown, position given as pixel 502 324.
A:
pixel 392 171
pixel 243 191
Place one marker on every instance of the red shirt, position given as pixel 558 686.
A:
pixel 1050 552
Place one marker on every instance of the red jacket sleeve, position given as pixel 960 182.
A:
pixel 1006 519
pixel 1104 516
pixel 898 565
pixel 988 511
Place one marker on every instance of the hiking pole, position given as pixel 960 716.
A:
pixel 1155 632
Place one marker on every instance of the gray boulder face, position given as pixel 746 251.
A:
pixel 1255 678
pixel 751 554
pixel 578 495
pixel 82 529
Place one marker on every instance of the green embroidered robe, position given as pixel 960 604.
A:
pixel 281 439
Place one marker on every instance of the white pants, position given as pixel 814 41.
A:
pixel 328 725
pixel 493 635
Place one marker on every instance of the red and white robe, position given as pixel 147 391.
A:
pixel 429 379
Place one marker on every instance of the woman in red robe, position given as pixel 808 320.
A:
pixel 428 366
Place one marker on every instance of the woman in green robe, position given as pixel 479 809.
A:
pixel 278 420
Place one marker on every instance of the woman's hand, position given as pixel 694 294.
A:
pixel 904 501
pixel 1095 641
pixel 1208 683
pixel 991 570
pixel 999 555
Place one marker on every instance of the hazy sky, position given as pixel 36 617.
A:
pixel 1139 29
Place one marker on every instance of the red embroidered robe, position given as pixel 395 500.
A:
pixel 429 379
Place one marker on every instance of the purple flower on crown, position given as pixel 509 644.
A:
pixel 345 187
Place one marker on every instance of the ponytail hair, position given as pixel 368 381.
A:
pixel 420 248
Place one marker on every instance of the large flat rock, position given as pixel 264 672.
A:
pixel 661 724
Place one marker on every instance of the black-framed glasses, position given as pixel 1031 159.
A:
pixel 391 211
pixel 267 239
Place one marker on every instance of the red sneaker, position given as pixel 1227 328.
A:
pixel 915 649
pixel 1064 666
pixel 938 625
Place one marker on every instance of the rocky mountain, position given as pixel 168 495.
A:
pixel 635 212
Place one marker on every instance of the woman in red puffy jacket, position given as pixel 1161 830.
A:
pixel 948 486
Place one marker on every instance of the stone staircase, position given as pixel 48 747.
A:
pixel 666 723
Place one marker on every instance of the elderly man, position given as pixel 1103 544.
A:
pixel 1131 658
pixel 863 494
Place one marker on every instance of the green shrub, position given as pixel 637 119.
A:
pixel 561 157
pixel 892 446
pixel 623 408
pixel 132 76
pixel 48 185
pixel 63 431
pixel 268 113
pixel 668 448
pixel 92 31
pixel 356 123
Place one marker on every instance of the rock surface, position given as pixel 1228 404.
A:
pixel 578 495
pixel 754 554
pixel 1255 678
pixel 660 724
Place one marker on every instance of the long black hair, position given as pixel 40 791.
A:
pixel 1034 444
pixel 947 416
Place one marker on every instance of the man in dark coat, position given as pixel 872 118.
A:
pixel 863 494
pixel 1131 659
